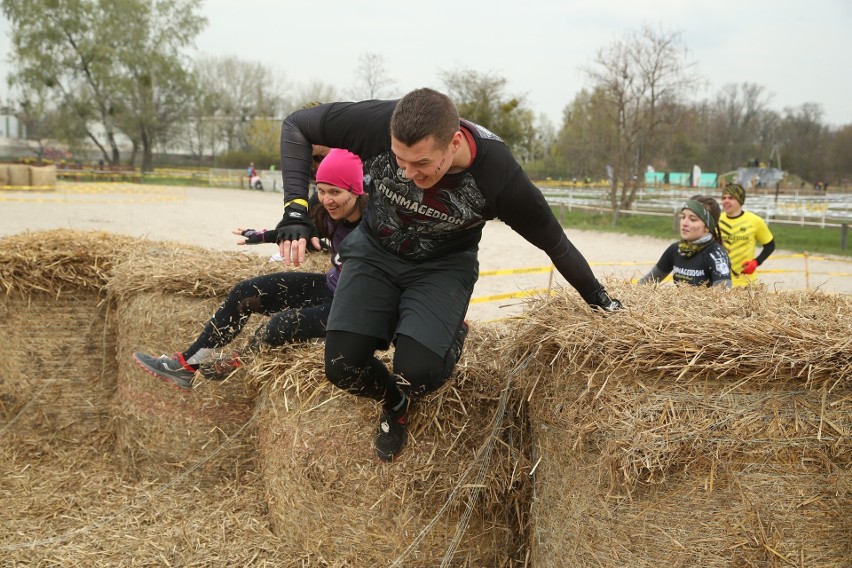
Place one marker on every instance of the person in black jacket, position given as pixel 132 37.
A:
pixel 699 258
pixel 412 263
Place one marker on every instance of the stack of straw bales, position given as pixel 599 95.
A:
pixel 695 428
pixel 24 176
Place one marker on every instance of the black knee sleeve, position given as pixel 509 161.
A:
pixel 350 365
pixel 420 369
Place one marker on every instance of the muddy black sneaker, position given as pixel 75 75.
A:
pixel 392 433
pixel 220 368
pixel 170 369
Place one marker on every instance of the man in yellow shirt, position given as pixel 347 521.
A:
pixel 741 231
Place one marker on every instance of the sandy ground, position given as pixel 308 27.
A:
pixel 206 216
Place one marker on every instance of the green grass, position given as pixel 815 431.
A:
pixel 177 181
pixel 788 237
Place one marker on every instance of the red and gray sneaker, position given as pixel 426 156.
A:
pixel 173 370
pixel 392 433
pixel 220 368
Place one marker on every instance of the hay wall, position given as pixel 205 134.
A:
pixel 331 499
pixel 76 304
pixel 698 427
pixel 673 434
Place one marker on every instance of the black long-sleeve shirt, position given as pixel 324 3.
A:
pixel 422 224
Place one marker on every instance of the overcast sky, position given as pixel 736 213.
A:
pixel 800 51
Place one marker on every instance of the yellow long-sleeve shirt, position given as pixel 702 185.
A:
pixel 740 236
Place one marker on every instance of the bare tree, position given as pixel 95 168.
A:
pixel 372 80
pixel 840 154
pixel 310 93
pixel 803 140
pixel 737 125
pixel 231 94
pixel 642 79
pixel 587 135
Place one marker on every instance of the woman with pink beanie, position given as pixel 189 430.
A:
pixel 297 302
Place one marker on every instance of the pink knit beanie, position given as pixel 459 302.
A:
pixel 342 168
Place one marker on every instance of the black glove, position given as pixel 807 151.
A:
pixel 323 243
pixel 296 223
pixel 602 301
pixel 254 237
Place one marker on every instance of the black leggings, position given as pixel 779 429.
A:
pixel 298 302
pixel 351 364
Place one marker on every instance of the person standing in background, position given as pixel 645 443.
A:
pixel 741 232
pixel 698 258
pixel 251 172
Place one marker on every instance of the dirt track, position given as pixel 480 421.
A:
pixel 206 216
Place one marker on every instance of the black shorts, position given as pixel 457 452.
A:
pixel 382 295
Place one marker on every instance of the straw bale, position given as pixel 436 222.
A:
pixel 55 333
pixel 745 335
pixel 52 373
pixel 19 174
pixel 58 260
pixel 72 506
pixel 176 268
pixel 43 176
pixel 697 427
pixel 337 504
pixel 164 294
pixel 161 430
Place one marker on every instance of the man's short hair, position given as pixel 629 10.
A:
pixel 423 113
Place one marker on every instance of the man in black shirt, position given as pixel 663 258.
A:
pixel 412 263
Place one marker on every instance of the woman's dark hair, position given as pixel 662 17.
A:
pixel 322 220
pixel 715 210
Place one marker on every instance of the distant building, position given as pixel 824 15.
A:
pixel 10 127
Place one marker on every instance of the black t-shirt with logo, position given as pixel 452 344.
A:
pixel 704 268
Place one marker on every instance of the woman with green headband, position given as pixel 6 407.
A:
pixel 698 258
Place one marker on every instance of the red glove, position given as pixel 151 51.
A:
pixel 750 266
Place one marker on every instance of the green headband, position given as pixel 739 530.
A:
pixel 698 208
